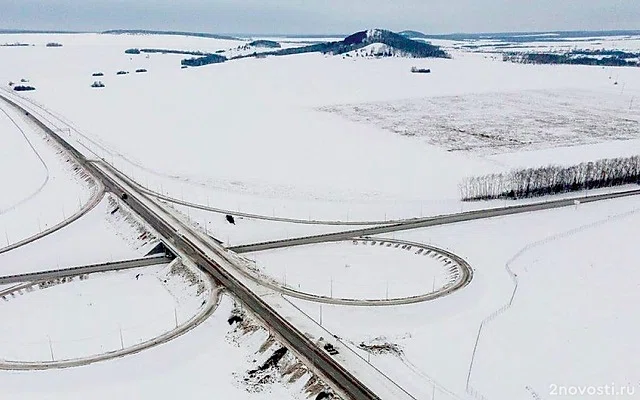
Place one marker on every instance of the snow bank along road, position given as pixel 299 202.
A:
pixel 86 269
pixel 224 267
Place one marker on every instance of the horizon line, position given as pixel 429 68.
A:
pixel 305 35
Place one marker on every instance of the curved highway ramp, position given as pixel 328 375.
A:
pixel 86 269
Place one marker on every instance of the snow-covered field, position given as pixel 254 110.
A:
pixel 40 188
pixel 96 314
pixel 212 359
pixel 98 237
pixel 248 134
pixel 254 135
pixel 576 284
pixel 507 122
pixel 354 270
pixel 572 315
pixel 16 149
pixel 625 43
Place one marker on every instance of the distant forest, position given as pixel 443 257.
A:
pixel 609 58
pixel 171 33
pixel 204 60
pixel 166 51
pixel 613 60
pixel 528 37
pixel 201 58
pixel 552 179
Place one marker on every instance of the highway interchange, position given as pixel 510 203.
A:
pixel 229 269
pixel 209 255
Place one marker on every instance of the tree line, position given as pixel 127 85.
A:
pixel 166 51
pixel 573 58
pixel 552 179
pixel 204 60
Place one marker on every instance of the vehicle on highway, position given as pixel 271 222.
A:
pixel 330 349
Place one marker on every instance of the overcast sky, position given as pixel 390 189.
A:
pixel 321 16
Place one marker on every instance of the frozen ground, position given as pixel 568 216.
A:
pixel 437 338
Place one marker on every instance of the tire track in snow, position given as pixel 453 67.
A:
pixel 44 164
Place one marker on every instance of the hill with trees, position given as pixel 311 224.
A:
pixel 398 43
pixel 372 42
